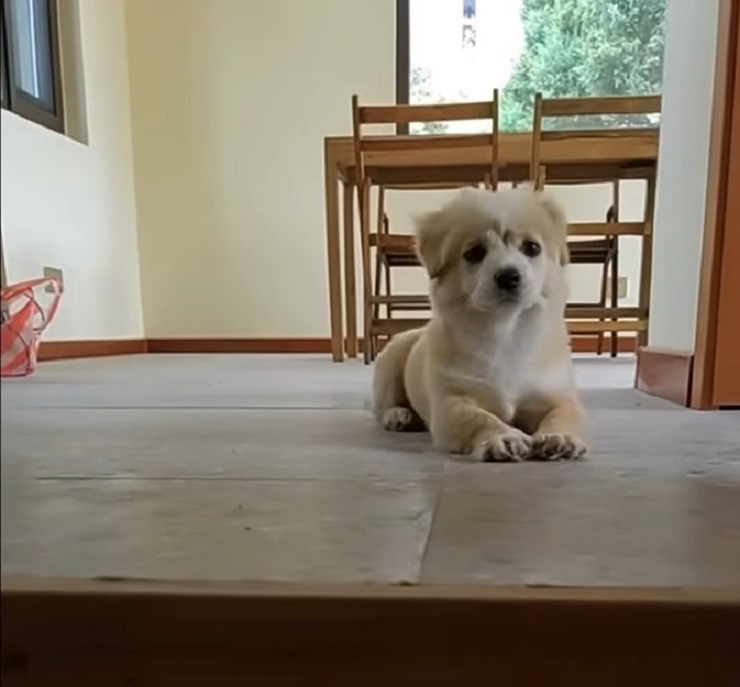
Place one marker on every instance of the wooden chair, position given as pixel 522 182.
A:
pixel 603 251
pixel 398 250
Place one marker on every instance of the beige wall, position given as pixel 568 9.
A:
pixel 71 205
pixel 691 36
pixel 231 100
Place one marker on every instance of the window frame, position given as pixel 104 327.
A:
pixel 14 98
pixel 403 58
pixel 403 64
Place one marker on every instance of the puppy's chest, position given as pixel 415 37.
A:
pixel 499 380
pixel 507 375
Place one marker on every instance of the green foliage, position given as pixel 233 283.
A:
pixel 585 48
pixel 421 92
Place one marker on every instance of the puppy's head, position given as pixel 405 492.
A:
pixel 494 251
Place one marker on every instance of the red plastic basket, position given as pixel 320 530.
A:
pixel 27 309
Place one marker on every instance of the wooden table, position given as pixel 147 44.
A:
pixel 587 158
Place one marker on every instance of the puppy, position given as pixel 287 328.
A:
pixel 490 375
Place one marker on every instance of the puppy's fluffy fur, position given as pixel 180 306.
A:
pixel 491 374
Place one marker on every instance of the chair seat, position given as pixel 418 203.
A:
pixel 391 327
pixel 594 252
pixel 397 259
pixel 396 250
pixel 402 243
pixel 404 303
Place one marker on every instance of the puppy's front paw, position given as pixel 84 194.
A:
pixel 509 446
pixel 553 446
pixel 398 419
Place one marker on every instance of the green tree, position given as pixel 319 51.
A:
pixel 576 48
pixel 420 91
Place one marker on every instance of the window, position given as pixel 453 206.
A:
pixel 458 50
pixel 31 81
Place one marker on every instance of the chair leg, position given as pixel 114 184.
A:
pixel 602 303
pixel 615 295
pixel 615 269
pixel 388 290
pixel 377 281
pixel 646 261
pixel 349 267
pixel 380 229
pixel 367 289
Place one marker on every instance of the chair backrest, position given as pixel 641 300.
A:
pixel 407 114
pixel 579 107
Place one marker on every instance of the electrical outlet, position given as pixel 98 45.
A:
pixel 58 274
pixel 622 287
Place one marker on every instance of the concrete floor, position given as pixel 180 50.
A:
pixel 271 468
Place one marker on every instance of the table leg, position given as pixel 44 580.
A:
pixel 334 263
pixel 350 294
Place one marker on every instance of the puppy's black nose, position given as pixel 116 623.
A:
pixel 508 279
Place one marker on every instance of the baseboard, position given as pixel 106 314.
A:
pixel 666 373
pixel 590 344
pixel 298 345
pixel 579 344
pixel 61 350
pixel 65 350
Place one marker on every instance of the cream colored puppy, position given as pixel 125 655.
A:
pixel 491 374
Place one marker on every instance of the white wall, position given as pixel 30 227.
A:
pixel 70 205
pixel 691 33
pixel 231 100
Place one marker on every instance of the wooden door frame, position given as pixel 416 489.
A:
pixel 715 222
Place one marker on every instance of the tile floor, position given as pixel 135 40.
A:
pixel 271 468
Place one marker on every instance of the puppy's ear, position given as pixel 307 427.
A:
pixel 431 232
pixel 556 215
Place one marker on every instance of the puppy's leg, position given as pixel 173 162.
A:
pixel 390 402
pixel 461 426
pixel 558 435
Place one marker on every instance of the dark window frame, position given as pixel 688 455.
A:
pixel 14 98
pixel 403 58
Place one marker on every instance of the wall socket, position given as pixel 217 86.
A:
pixel 54 272
pixel 622 287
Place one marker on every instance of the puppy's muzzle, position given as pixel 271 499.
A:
pixel 508 280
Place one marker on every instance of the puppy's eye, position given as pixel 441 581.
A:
pixel 475 254
pixel 531 248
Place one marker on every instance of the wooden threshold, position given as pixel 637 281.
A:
pixel 665 373
pixel 91 633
